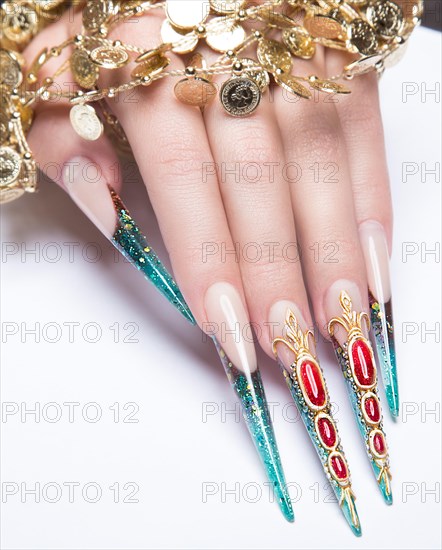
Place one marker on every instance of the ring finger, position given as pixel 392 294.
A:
pixel 323 205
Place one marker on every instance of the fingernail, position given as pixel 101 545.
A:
pixel 305 380
pixel 229 323
pixel 356 359
pixel 377 261
pixel 103 206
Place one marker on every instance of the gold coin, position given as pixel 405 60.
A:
pixel 347 12
pixel 196 92
pixel 386 18
pixel 363 65
pixel 411 9
pixel 290 84
pixel 109 57
pixel 362 37
pixel 148 54
pixel 151 66
pixel 324 26
pixel 273 55
pixel 187 14
pixel 240 96
pixel 10 71
pixel 85 122
pixel 329 87
pixel 10 166
pixel 96 13
pixel 227 6
pixel 224 34
pixel 84 71
pixel 10 194
pixel 48 5
pixel 299 42
pixel 19 22
pixel 181 44
pixel 254 71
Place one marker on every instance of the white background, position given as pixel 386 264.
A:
pixel 173 376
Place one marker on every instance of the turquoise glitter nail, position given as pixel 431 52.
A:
pixel 306 383
pixel 382 330
pixel 133 245
pixel 250 391
pixel 356 359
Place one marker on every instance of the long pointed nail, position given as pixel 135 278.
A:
pixel 228 317
pixel 104 208
pixel 296 356
pixel 355 356
pixel 377 260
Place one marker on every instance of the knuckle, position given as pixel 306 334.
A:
pixel 364 119
pixel 252 144
pixel 180 157
pixel 320 139
pixel 339 248
pixel 266 260
pixel 360 112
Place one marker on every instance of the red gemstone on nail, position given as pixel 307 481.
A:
pixel 379 444
pixel 327 431
pixel 364 369
pixel 372 409
pixel 312 383
pixel 339 466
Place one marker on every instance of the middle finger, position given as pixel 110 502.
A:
pixel 251 172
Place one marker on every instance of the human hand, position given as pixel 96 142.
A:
pixel 322 184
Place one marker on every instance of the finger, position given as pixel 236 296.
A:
pixel 177 168
pixel 361 122
pixel 84 169
pixel 186 200
pixel 323 205
pixel 89 173
pixel 252 173
pixel 338 289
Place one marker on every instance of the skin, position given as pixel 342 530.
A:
pixel 344 132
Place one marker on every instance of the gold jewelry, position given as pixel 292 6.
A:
pixel 21 20
pixel 373 30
